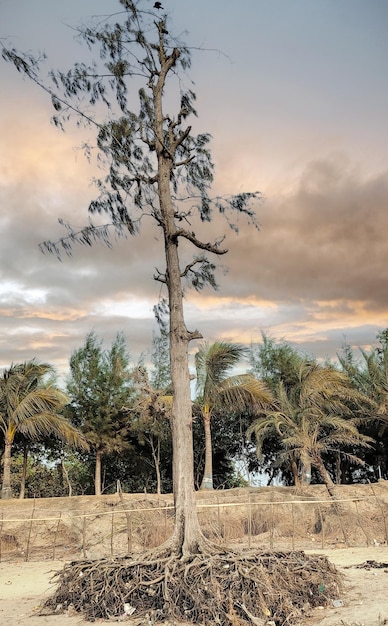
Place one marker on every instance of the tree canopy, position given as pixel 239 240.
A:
pixel 99 386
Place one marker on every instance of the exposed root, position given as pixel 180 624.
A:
pixel 224 588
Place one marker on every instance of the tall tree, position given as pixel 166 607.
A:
pixel 33 408
pixel 99 386
pixel 217 389
pixel 156 167
pixel 312 418
pixel 370 375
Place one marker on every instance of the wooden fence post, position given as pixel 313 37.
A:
pixel 1 533
pixel 56 534
pixel 29 533
pixel 322 527
pixel 360 524
pixel 271 531
pixel 84 534
pixel 111 534
pixel 382 512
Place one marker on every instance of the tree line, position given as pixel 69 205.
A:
pixel 287 418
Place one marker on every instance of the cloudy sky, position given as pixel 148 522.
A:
pixel 295 95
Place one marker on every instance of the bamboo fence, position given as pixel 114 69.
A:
pixel 119 527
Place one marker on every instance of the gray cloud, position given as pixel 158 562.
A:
pixel 326 240
pixel 319 260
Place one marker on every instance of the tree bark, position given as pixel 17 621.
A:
pixel 6 490
pixel 324 474
pixel 97 473
pixel 66 475
pixel 156 456
pixel 22 492
pixel 295 471
pixel 305 470
pixel 187 534
pixel 207 480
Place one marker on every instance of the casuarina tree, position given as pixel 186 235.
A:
pixel 158 168
pixel 99 385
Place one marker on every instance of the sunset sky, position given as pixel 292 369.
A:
pixel 295 96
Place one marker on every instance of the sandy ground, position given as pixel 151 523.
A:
pixel 23 586
pixel 365 595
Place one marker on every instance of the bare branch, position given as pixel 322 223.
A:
pixel 209 247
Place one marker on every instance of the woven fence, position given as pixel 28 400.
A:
pixel 121 526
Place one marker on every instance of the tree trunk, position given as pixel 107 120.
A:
pixel 295 471
pixel 187 537
pixel 66 475
pixel 156 456
pixel 207 481
pixel 187 533
pixel 305 470
pixel 24 474
pixel 330 486
pixel 6 491
pixel 337 468
pixel 324 474
pixel 97 473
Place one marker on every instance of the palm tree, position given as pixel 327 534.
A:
pixel 216 390
pixel 311 418
pixel 31 408
pixel 369 375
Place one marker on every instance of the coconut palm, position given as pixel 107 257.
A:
pixel 217 390
pixel 312 418
pixel 32 408
pixel 370 376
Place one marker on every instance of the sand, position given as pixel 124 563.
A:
pixel 23 586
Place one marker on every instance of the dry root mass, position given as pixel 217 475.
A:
pixel 224 588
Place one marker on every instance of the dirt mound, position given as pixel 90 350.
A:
pixel 266 518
